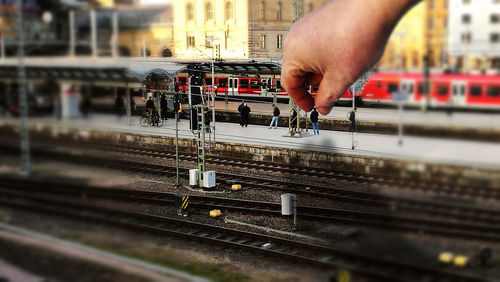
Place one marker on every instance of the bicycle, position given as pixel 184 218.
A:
pixel 147 120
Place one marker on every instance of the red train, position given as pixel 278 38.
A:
pixel 445 90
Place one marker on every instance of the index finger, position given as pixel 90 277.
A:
pixel 294 83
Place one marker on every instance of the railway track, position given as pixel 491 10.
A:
pixel 476 229
pixel 317 255
pixel 315 173
pixel 437 209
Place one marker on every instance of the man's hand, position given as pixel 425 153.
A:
pixel 334 45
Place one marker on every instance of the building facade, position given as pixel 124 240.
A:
pixel 436 32
pixel 407 44
pixel 474 34
pixel 235 28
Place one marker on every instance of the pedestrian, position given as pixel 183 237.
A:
pixel 245 113
pixel 132 106
pixel 150 106
pixel 57 107
pixel 240 109
pixel 274 120
pixel 163 106
pixel 352 118
pixel 119 105
pixel 314 121
pixel 3 104
pixel 85 105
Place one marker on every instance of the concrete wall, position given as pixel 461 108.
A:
pixel 405 170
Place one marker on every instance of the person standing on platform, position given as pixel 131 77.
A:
pixel 119 105
pixel 245 113
pixel 150 107
pixel 163 106
pixel 276 114
pixel 240 110
pixel 352 118
pixel 314 121
pixel 132 106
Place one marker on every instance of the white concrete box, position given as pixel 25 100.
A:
pixel 193 177
pixel 209 179
pixel 287 201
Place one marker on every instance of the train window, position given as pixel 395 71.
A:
pixel 475 90
pixel 222 82
pixel 278 84
pixel 208 81
pixel 315 87
pixel 379 83
pixel 462 90
pixel 254 84
pixel 182 81
pixel 442 90
pixel 230 83
pixel 392 87
pixel 493 91
pixel 421 88
pixel 244 83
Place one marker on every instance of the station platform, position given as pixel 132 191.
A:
pixel 434 150
pixel 488 120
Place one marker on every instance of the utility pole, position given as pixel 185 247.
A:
pixel 23 99
pixel 72 37
pixel 114 42
pixel 93 32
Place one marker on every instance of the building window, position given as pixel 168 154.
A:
pixel 496 1
pixel 466 2
pixel 262 41
pixel 190 41
pixel 262 10
pixel 229 11
pixel 189 12
pixel 466 19
pixel 431 4
pixel 445 23
pixel 495 18
pixel 209 12
pixel 445 4
pixel 466 37
pixel 311 7
pixel 278 12
pixel 494 37
pixel 431 23
pixel 279 41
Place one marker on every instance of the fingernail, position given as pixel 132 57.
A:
pixel 325 110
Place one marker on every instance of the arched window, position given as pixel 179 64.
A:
pixel 165 52
pixel 209 12
pixel 262 10
pixel 229 11
pixel 278 12
pixel 189 12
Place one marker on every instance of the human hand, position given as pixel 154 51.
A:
pixel 334 45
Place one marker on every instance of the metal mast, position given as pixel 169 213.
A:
pixel 23 99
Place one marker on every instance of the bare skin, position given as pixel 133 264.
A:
pixel 334 45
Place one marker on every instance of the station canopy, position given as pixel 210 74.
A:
pixel 125 70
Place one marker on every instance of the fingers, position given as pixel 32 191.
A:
pixel 294 85
pixel 329 91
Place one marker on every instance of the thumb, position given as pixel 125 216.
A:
pixel 330 89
